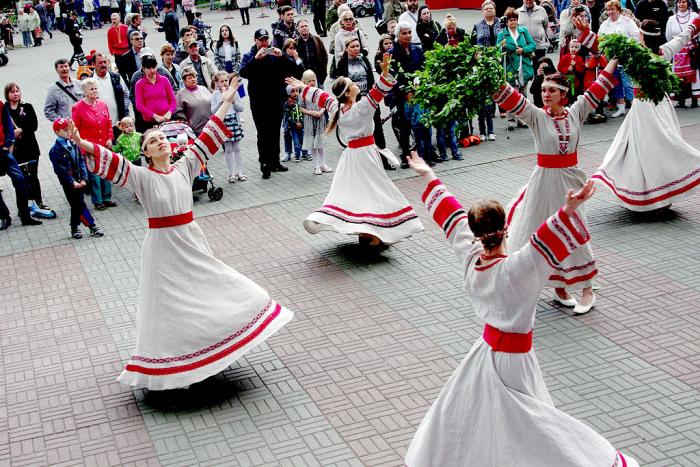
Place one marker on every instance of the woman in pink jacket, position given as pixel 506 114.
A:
pixel 91 118
pixel 155 99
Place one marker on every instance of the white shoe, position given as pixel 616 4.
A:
pixel 232 179
pixel 326 169
pixel 241 177
pixel 620 111
pixel 482 137
pixel 318 171
pixel 568 302
pixel 492 137
pixel 583 309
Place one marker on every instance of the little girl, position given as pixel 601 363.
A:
pixel 129 142
pixel 315 122
pixel 232 149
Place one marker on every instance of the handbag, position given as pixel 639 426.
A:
pixel 38 32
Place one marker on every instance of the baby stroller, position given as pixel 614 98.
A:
pixel 181 138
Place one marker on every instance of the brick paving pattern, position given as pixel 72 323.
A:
pixel 373 339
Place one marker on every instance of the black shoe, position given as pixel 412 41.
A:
pixel 404 165
pixel 280 168
pixel 694 103
pixel 96 231
pixel 265 175
pixel 100 207
pixel 389 167
pixel 110 204
pixel 431 164
pixel 76 233
pixel 30 221
pixel 5 223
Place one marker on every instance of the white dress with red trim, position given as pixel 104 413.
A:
pixel 196 314
pixel 495 409
pixel 556 172
pixel 362 199
pixel 648 165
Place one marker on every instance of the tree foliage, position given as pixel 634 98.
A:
pixel 650 72
pixel 457 81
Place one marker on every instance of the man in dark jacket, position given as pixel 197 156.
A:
pixel 406 58
pixel 265 69
pixel 312 52
pixel 170 25
pixel 285 29
pixel 653 9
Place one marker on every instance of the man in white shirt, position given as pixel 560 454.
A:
pixel 113 91
pixel 410 16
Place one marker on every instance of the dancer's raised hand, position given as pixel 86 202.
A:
pixel 295 83
pixel 420 166
pixel 574 200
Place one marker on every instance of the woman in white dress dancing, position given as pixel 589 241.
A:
pixel 556 129
pixel 196 314
pixel 362 200
pixel 495 409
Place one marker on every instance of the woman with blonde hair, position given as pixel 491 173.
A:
pixel 362 200
pixel 196 314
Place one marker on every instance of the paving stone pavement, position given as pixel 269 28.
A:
pixel 373 339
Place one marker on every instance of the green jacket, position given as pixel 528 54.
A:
pixel 512 60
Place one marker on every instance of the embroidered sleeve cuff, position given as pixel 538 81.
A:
pixel 510 99
pixel 559 236
pixel 444 208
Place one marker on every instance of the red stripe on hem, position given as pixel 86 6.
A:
pixel 574 280
pixel 369 214
pixel 515 205
pixel 211 358
pixel 649 201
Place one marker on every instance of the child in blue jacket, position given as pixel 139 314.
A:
pixel 70 168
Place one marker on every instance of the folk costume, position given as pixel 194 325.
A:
pixel 498 389
pixel 362 199
pixel 649 165
pixel 556 141
pixel 196 314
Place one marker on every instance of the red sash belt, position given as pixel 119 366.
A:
pixel 557 161
pixel 361 142
pixel 509 342
pixel 170 221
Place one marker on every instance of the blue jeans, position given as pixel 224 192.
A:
pixel 8 165
pixel 624 87
pixel 27 38
pixel 100 190
pixel 378 10
pixel 424 143
pixel 447 133
pixel 294 135
pixel 297 6
pixel 486 119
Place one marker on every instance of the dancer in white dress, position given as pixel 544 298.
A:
pixel 495 409
pixel 196 314
pixel 649 165
pixel 362 200
pixel 556 130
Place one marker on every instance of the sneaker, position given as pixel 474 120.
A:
pixel 492 137
pixel 76 233
pixel 43 206
pixel 318 171
pixel 326 169
pixel 306 157
pixel 443 157
pixel 482 137
pixel 297 159
pixel 232 179
pixel 457 157
pixel 241 177
pixel 96 231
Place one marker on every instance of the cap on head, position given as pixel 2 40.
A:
pixel 146 51
pixel 261 34
pixel 191 42
pixel 60 124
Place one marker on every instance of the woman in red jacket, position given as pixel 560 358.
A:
pixel 91 118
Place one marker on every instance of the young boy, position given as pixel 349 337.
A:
pixel 70 168
pixel 293 126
